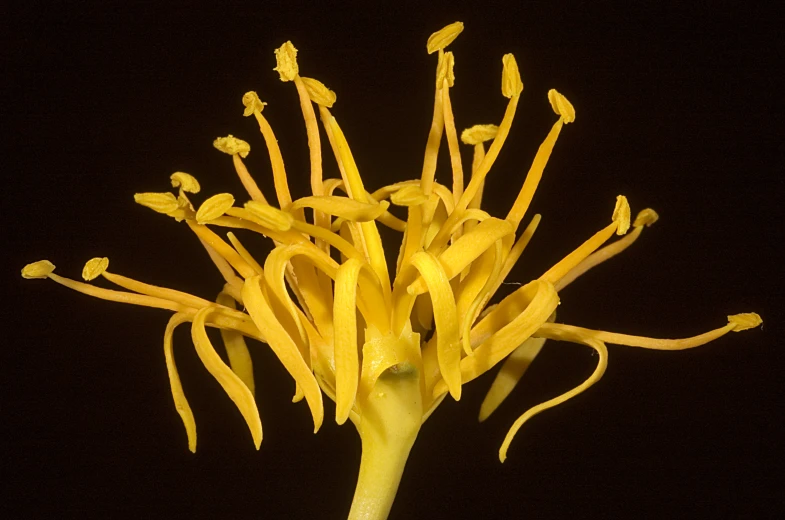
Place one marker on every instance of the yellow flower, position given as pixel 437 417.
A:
pixel 386 350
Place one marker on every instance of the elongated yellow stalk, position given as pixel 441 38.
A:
pixel 391 419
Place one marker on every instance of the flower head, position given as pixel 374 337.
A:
pixel 387 341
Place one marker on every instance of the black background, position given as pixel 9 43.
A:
pixel 676 108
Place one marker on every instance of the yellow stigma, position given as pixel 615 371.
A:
pixel 185 182
pixel 621 215
pixel 232 145
pixel 214 207
pixel 252 103
pixel 444 37
pixel 39 269
pixel 479 134
pixel 561 106
pixel 94 268
pixel 286 59
pixel 512 85
pixel 318 93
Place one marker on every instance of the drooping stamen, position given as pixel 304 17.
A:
pixel 620 224
pixel 602 363
pixel 559 331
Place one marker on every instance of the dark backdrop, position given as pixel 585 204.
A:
pixel 676 108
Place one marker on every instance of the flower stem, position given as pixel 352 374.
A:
pixel 391 419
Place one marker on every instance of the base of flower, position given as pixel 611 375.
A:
pixel 390 420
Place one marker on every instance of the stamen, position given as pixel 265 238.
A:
pixel 252 103
pixel 560 331
pixel 223 249
pixel 621 220
pixel 243 252
pixel 512 85
pixel 646 217
pixel 318 92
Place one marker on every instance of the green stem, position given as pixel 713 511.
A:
pixel 390 420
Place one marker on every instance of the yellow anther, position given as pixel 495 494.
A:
pixel 745 321
pixel 646 217
pixel 512 85
pixel 39 269
pixel 94 268
pixel 252 103
pixel 318 93
pixel 185 182
pixel 561 106
pixel 286 59
pixel 232 145
pixel 161 202
pixel 409 196
pixel 444 37
pixel 444 72
pixel 214 207
pixel 271 217
pixel 621 215
pixel 479 134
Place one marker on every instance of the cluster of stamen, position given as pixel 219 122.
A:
pixel 433 316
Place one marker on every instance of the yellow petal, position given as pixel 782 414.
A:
pixel 445 315
pixel 347 363
pixel 511 372
pixel 236 350
pixel 180 402
pixel 283 346
pixel 602 363
pixel 232 385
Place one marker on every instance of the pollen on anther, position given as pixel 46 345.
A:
pixel 94 268
pixel 39 269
